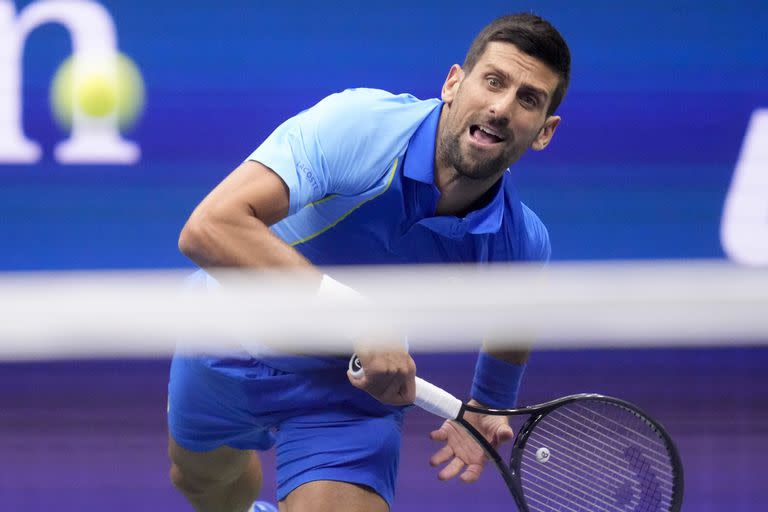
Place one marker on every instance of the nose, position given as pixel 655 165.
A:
pixel 501 110
pixel 499 116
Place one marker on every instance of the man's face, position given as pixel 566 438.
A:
pixel 496 111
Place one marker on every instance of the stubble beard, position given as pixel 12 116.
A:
pixel 472 168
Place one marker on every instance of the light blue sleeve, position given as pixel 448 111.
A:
pixel 342 145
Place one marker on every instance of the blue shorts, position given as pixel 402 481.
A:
pixel 321 426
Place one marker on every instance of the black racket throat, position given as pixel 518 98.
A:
pixel 465 407
pixel 507 473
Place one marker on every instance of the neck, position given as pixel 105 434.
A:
pixel 460 195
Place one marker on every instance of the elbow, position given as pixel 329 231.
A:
pixel 195 240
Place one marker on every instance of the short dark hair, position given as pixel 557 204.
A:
pixel 533 36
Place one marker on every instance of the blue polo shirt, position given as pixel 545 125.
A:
pixel 360 169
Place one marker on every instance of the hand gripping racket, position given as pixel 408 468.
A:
pixel 579 453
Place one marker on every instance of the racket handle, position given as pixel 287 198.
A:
pixel 428 396
pixel 436 400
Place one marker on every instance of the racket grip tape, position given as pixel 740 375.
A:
pixel 428 396
pixel 436 400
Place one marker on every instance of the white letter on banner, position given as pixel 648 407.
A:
pixel 93 140
pixel 744 226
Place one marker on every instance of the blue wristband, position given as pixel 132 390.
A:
pixel 496 382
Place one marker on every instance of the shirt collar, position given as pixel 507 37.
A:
pixel 420 160
pixel 419 165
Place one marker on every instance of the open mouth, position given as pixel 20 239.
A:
pixel 484 135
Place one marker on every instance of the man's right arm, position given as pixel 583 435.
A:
pixel 230 227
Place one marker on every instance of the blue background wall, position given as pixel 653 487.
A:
pixel 660 99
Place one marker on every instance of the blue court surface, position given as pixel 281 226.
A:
pixel 90 436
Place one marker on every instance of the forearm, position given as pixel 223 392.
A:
pixel 516 356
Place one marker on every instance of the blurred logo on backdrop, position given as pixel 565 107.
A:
pixel 744 226
pixel 95 94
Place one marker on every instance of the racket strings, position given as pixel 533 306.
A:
pixel 600 457
pixel 568 497
pixel 614 466
pixel 655 439
pixel 613 474
pixel 606 441
pixel 578 491
pixel 577 471
pixel 545 501
pixel 574 477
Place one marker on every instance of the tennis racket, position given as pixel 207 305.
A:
pixel 579 453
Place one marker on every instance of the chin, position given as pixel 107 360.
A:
pixel 478 173
pixel 481 169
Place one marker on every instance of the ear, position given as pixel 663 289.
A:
pixel 451 85
pixel 545 134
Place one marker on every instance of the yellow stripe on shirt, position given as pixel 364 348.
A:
pixel 348 212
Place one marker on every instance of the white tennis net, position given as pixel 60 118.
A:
pixel 439 308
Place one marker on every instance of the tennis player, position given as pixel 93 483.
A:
pixel 364 177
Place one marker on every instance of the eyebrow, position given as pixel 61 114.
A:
pixel 543 94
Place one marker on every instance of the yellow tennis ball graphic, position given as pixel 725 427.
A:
pixel 98 87
pixel 97 96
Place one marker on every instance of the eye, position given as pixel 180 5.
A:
pixel 494 83
pixel 529 100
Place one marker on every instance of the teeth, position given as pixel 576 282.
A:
pixel 490 132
